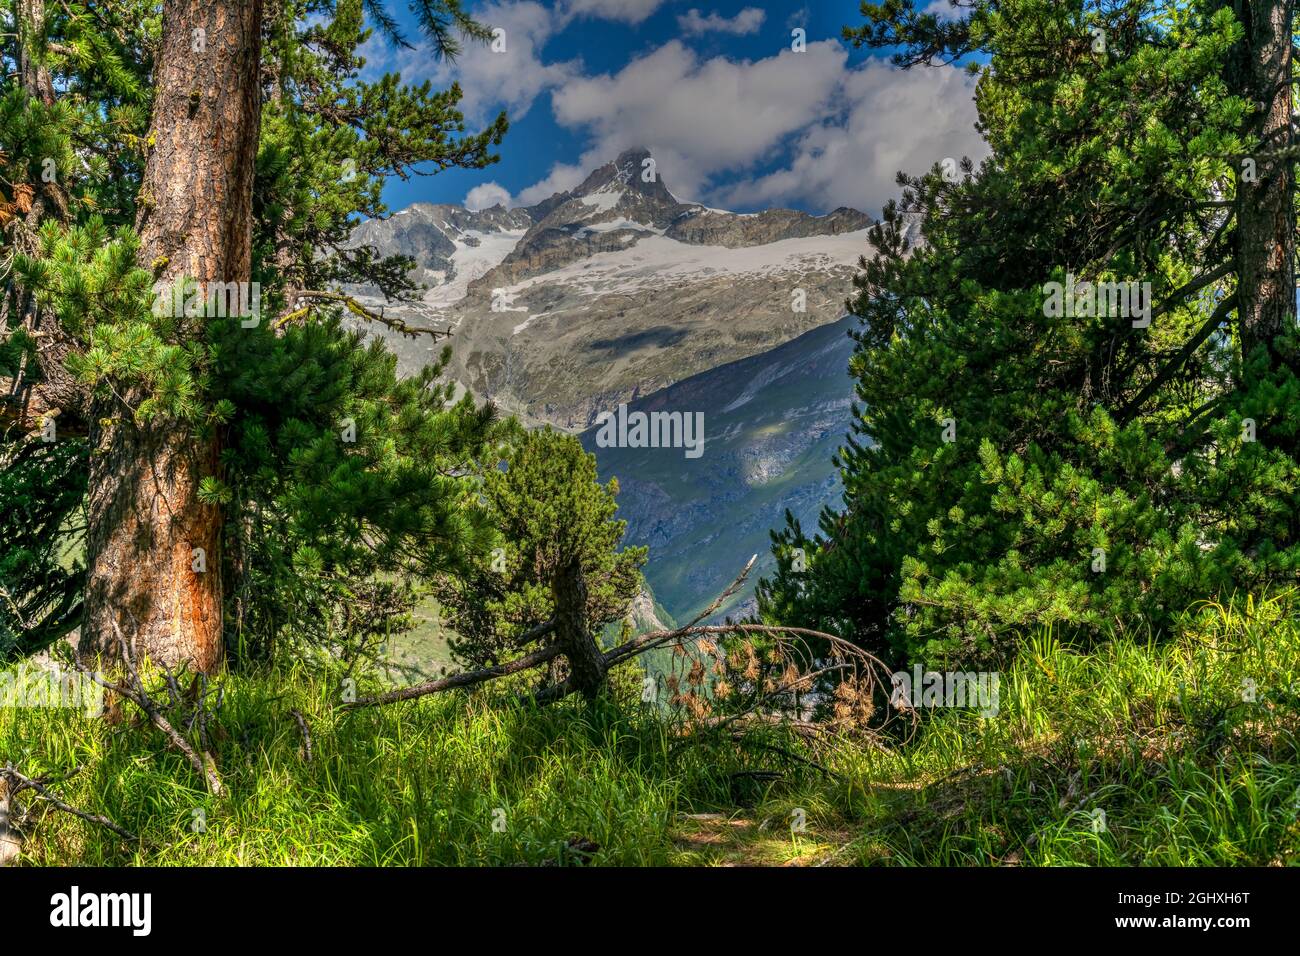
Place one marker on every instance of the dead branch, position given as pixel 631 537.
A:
pixel 770 703
pixel 306 734
pixel 791 755
pixel 18 782
pixel 134 690
pixel 644 642
pixel 470 678
pixel 359 310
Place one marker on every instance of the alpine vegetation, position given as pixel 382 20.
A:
pixel 1101 299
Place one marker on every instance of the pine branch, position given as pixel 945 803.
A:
pixel 1127 413
pixel 356 308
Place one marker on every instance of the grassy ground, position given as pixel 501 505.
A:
pixel 1129 755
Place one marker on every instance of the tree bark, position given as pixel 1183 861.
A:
pixel 1266 221
pixel 10 843
pixel 195 221
pixel 42 386
pixel 587 665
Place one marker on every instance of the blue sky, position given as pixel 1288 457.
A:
pixel 734 116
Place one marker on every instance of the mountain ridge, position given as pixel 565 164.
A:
pixel 612 290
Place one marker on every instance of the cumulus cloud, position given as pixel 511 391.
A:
pixel 487 195
pixel 626 11
pixel 510 79
pixel 837 134
pixel 699 116
pixel 748 20
pixel 806 129
pixel 562 177
pixel 887 120
pixel 943 10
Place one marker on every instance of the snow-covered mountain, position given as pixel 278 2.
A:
pixel 451 246
pixel 618 292
pixel 613 290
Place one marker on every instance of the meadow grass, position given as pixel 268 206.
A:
pixel 1164 739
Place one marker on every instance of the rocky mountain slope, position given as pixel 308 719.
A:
pixel 613 290
pixel 616 292
pixel 771 424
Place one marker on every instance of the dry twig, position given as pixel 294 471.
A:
pixel 18 782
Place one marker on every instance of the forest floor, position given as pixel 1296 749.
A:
pixel 1184 752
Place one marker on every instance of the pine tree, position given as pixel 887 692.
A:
pixel 551 512
pixel 1015 465
pixel 66 153
pixel 192 407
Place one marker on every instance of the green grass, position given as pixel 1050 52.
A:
pixel 1158 737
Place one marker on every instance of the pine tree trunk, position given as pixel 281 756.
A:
pixel 1266 221
pixel 587 666
pixel 195 221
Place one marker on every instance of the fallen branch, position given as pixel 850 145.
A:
pixel 19 782
pixel 791 755
pixel 645 642
pixel 538 657
pixel 135 692
pixel 843 656
pixel 469 678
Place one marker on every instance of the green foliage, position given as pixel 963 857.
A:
pixel 42 485
pixel 325 539
pixel 91 138
pixel 88 277
pixel 337 471
pixel 1070 448
pixel 1187 746
pixel 548 508
pixel 440 21
pixel 1160 738
pixel 329 140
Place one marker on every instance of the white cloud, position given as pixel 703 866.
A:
pixel 943 10
pixel 487 195
pixel 887 119
pixel 838 133
pixel 699 117
pixel 626 11
pixel 561 177
pixel 491 81
pixel 748 20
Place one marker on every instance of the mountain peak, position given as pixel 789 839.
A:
pixel 633 170
pixel 630 160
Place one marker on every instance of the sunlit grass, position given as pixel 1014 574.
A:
pixel 1163 739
